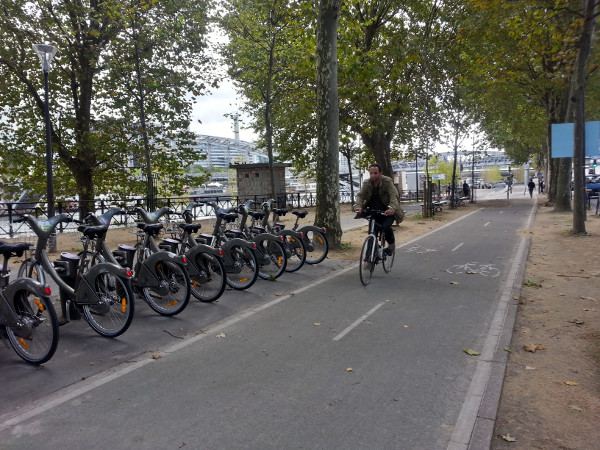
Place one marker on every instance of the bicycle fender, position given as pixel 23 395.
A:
pixel 238 242
pixel 24 284
pixel 198 250
pixel 147 276
pixel 305 228
pixel 86 295
pixel 267 237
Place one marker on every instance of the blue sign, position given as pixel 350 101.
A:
pixel 563 141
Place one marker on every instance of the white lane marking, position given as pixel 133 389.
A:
pixel 458 246
pixel 358 321
pixel 486 224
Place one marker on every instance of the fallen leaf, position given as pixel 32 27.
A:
pixel 433 278
pixel 278 294
pixel 349 369
pixel 156 356
pixel 508 438
pixel 471 272
pixel 571 383
pixel 575 407
pixel 587 298
pixel 221 335
pixel 530 368
pixel 470 352
pixel 454 282
pixel 577 322
pixel 316 324
pixel 506 349
pixel 405 326
pixel 533 348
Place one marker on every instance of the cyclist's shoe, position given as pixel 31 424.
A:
pixel 390 249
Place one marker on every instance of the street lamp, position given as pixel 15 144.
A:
pixel 46 53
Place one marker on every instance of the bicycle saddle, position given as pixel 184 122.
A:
pixel 93 232
pixel 257 214
pixel 150 228
pixel 301 214
pixel 10 249
pixel 280 211
pixel 190 227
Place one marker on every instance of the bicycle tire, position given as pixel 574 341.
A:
pixel 295 253
pixel 388 261
pixel 209 285
pixel 246 260
pixel 366 263
pixel 30 269
pixel 320 246
pixel 176 277
pixel 113 317
pixel 276 260
pixel 36 342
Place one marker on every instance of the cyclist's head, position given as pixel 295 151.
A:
pixel 375 173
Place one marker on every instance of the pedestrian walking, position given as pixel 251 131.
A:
pixel 531 186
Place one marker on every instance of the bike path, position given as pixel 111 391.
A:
pixel 277 375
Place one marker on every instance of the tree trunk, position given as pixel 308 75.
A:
pixel 379 142
pixel 328 192
pixel 585 45
pixel 563 185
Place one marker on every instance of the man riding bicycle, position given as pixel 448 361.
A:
pixel 379 192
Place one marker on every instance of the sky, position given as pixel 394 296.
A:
pixel 208 116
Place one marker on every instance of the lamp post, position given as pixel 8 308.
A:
pixel 46 53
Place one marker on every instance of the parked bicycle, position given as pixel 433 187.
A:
pixel 314 239
pixel 100 292
pixel 374 249
pixel 159 277
pixel 295 251
pixel 205 264
pixel 270 249
pixel 239 257
pixel 27 317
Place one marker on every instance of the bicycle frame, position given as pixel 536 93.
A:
pixel 81 293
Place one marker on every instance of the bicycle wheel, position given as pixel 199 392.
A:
pixel 319 244
pixel 113 315
pixel 210 283
pixel 173 292
pixel 295 253
pixel 388 261
pixel 244 272
pixel 35 342
pixel 273 259
pixel 366 263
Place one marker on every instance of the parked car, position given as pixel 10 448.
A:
pixel 592 186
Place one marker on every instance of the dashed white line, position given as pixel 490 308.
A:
pixel 358 321
pixel 486 224
pixel 458 246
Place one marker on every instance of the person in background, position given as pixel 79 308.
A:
pixel 531 187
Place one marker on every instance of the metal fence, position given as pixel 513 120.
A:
pixel 11 211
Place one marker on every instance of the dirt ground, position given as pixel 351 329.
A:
pixel 551 395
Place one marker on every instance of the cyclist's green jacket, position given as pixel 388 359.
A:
pixel 387 193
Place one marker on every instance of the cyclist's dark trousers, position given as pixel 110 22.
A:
pixel 386 223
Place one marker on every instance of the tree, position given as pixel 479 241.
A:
pixel 266 46
pixel 93 130
pixel 588 28
pixel 327 111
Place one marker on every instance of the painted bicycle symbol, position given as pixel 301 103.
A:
pixel 419 249
pixel 487 270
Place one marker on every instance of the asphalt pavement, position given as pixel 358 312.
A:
pixel 312 360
